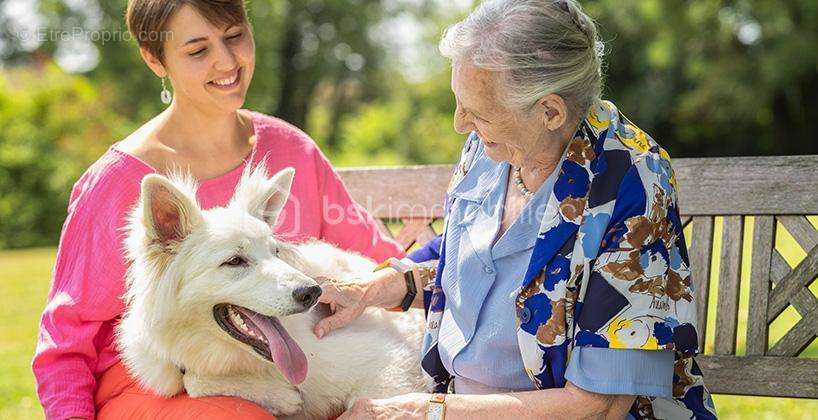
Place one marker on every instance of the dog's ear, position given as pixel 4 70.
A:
pixel 261 196
pixel 168 214
pixel 277 191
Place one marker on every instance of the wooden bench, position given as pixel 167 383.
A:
pixel 775 192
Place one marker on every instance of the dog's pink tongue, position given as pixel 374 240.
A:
pixel 289 358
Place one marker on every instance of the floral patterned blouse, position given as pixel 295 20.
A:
pixel 609 268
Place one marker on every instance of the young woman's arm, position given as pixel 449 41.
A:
pixel 85 296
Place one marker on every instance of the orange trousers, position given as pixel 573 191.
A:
pixel 119 397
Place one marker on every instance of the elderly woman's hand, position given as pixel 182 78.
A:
pixel 346 303
pixel 570 402
pixel 409 406
pixel 348 300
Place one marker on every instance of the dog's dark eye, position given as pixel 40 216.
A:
pixel 236 261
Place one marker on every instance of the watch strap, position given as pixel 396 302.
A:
pixel 409 278
pixel 405 268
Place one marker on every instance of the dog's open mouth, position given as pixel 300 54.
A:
pixel 266 336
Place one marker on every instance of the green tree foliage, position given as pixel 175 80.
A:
pixel 51 126
pixel 300 45
pixel 714 77
pixel 412 124
pixel 704 77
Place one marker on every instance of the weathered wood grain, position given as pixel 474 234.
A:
pixel 701 249
pixel 801 229
pixel 761 375
pixel 425 235
pixel 398 192
pixel 747 185
pixel 798 337
pixel 778 267
pixel 729 283
pixel 760 282
pixel 804 301
pixel 707 186
pixel 412 230
pixel 798 279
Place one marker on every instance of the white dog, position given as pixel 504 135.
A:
pixel 216 305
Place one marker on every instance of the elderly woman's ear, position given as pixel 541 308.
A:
pixel 553 111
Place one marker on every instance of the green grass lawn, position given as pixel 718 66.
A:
pixel 25 276
pixel 24 281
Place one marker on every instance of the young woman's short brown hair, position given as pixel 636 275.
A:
pixel 147 19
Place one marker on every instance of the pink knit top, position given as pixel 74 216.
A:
pixel 76 337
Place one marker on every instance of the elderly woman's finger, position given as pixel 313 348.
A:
pixel 329 293
pixel 321 280
pixel 333 322
pixel 346 304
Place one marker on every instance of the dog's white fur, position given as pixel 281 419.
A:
pixel 170 340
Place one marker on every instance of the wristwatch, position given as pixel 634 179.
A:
pixel 405 268
pixel 436 409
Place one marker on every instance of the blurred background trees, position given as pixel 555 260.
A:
pixel 363 77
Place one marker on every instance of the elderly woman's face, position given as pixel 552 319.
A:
pixel 513 136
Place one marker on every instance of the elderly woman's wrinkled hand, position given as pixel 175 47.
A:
pixel 402 407
pixel 346 303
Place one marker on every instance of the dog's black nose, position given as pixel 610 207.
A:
pixel 307 296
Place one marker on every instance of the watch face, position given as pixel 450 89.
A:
pixel 435 411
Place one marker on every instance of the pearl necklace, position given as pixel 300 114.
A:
pixel 518 180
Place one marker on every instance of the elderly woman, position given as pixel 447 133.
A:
pixel 563 287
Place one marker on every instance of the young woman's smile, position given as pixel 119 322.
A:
pixel 228 82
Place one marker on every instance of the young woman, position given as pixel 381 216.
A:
pixel 205 51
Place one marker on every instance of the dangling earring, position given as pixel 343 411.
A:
pixel 166 96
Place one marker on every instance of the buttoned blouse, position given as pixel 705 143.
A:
pixel 478 332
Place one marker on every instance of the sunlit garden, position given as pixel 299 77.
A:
pixel 365 80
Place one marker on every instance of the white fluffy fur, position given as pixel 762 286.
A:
pixel 174 282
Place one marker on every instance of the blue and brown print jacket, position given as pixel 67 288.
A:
pixel 609 269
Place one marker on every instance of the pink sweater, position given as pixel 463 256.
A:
pixel 76 337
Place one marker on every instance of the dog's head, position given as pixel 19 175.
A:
pixel 218 271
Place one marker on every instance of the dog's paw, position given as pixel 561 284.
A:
pixel 168 386
pixel 197 387
pixel 285 402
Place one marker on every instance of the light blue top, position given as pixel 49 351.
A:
pixel 478 333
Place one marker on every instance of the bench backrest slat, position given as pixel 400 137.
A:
pixel 701 249
pixel 729 282
pixel 397 193
pixel 790 377
pixel 760 282
pixel 747 185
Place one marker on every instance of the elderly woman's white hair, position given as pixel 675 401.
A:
pixel 540 46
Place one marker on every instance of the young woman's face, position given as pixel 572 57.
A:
pixel 209 67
